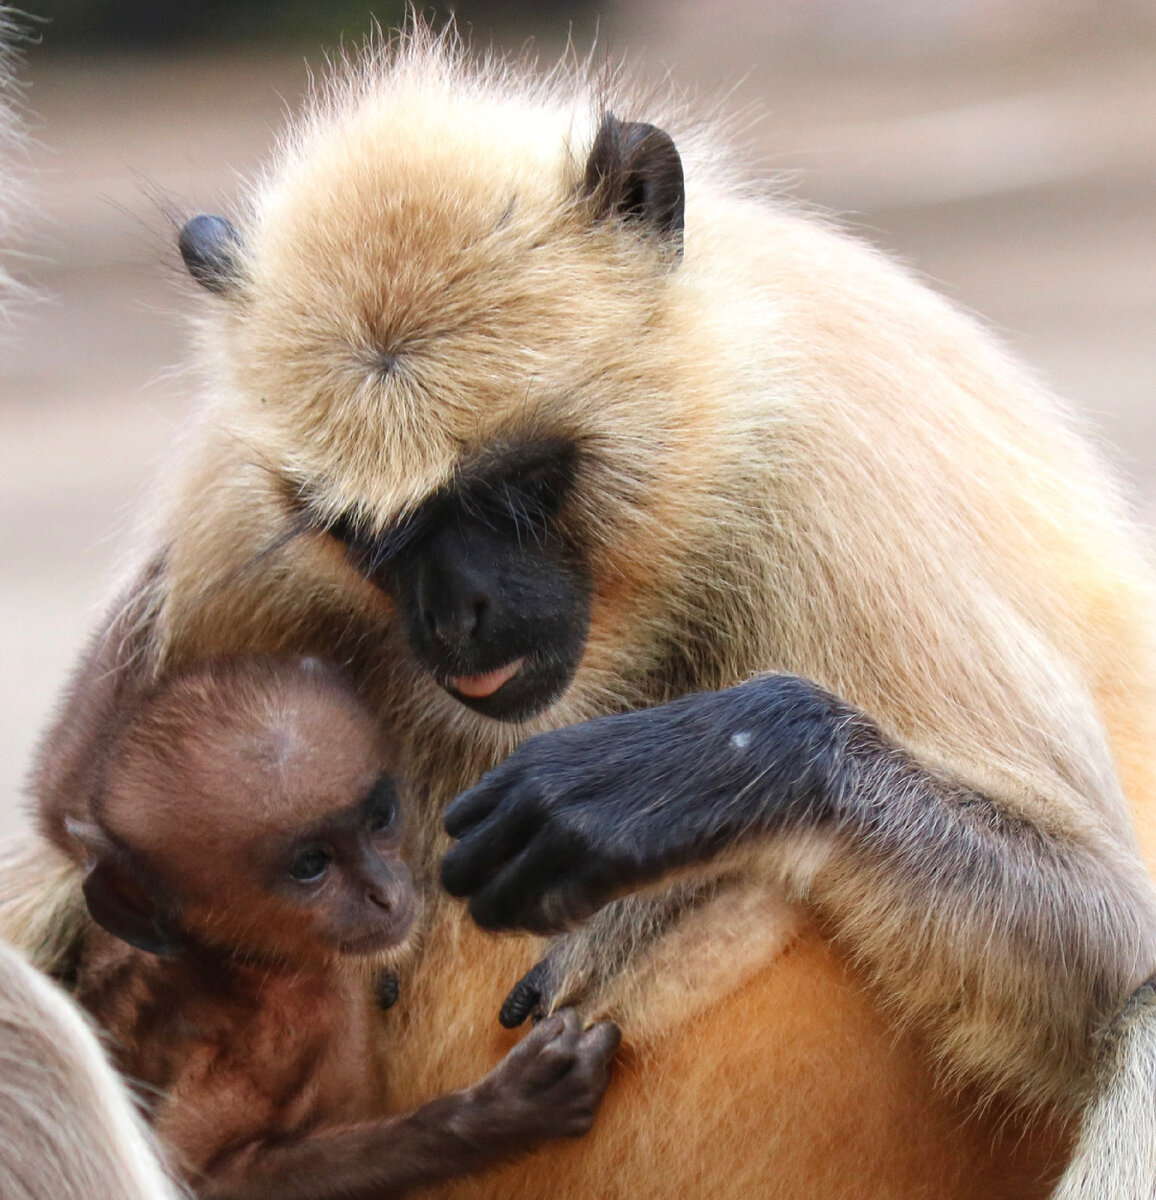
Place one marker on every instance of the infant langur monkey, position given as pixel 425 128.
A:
pixel 244 857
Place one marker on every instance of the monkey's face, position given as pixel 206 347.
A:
pixel 447 342
pixel 336 885
pixel 490 582
pixel 249 808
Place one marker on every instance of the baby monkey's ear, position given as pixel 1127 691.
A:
pixel 211 248
pixel 117 899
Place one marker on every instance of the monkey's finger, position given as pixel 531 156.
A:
pixel 524 997
pixel 545 1031
pixel 519 894
pixel 600 1041
pixel 554 1056
pixel 472 806
pixel 482 853
pixel 518 1005
pixel 554 885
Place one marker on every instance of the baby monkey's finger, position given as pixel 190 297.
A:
pixel 600 1041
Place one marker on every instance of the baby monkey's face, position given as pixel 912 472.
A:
pixel 342 875
pixel 250 809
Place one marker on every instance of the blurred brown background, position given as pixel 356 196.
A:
pixel 1005 148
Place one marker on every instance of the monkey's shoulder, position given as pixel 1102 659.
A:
pixel 191 1015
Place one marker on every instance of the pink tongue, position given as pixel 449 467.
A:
pixel 479 686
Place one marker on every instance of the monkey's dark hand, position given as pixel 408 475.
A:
pixel 549 1085
pixel 578 816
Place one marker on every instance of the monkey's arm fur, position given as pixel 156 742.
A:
pixel 548 1086
pixel 1114 1157
pixel 929 882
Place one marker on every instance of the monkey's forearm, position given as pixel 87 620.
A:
pixel 438 1141
pixel 1011 944
pixel 1013 947
pixel 548 1086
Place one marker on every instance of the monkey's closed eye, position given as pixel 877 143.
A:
pixel 380 820
pixel 381 805
pixel 310 865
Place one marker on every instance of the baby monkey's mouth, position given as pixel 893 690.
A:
pixel 478 687
pixel 374 943
pixel 387 933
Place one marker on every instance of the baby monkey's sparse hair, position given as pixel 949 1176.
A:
pixel 247 807
pixel 246 848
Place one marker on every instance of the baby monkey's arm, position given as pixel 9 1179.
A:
pixel 548 1086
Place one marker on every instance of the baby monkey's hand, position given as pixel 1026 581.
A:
pixel 548 1086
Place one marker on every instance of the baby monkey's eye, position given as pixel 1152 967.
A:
pixel 309 865
pixel 381 805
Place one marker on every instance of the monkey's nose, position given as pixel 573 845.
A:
pixel 380 898
pixel 456 622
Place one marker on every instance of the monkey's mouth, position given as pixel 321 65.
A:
pixel 374 943
pixel 520 689
pixel 480 687
pixel 385 934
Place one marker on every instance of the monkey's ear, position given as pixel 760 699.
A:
pixel 116 898
pixel 211 248
pixel 635 172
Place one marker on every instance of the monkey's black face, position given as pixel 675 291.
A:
pixel 495 597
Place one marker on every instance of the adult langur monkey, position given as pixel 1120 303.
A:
pixel 533 411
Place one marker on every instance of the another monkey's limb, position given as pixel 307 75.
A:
pixel 1116 1154
pixel 577 967
pixel 1012 943
pixel 548 1086
pixel 68 1127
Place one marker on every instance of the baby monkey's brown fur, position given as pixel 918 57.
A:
pixel 243 862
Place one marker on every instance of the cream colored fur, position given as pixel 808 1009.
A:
pixel 68 1130
pixel 41 906
pixel 788 440
pixel 1115 1158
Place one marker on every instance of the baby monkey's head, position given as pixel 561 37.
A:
pixel 248 808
